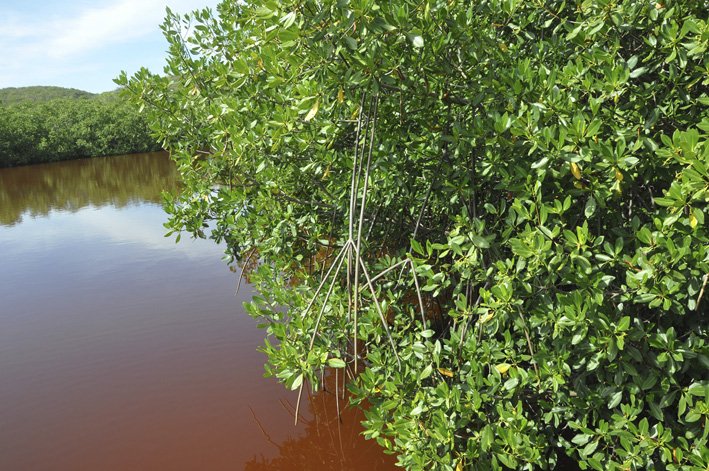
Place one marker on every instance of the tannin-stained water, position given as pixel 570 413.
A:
pixel 121 350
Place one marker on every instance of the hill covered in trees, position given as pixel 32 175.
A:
pixel 46 124
pixel 37 94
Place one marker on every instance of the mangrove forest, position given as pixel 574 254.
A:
pixel 48 124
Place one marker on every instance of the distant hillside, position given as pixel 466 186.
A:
pixel 13 95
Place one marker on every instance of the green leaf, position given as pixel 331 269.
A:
pixel 416 246
pixel 480 242
pixel 656 411
pixel 507 460
pixel 540 163
pixel 638 72
pixel 644 235
pixel 590 208
pixel 263 12
pixel 486 437
pixel 288 20
pixel 623 324
pixel 615 399
pixel 351 42
pixel 589 448
pixel 427 333
pixel 297 382
pixel 698 389
pixel 511 383
pixel 649 380
pixel 336 363
pixel 581 439
pixel 426 372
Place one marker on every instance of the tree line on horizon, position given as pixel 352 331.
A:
pixel 48 124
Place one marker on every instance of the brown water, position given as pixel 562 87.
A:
pixel 121 350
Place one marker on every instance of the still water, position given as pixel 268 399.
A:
pixel 121 350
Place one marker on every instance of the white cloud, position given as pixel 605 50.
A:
pixel 97 27
pixel 40 46
pixel 12 27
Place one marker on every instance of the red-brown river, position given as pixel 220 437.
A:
pixel 121 350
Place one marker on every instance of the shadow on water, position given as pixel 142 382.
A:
pixel 36 190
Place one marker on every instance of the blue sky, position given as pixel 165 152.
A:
pixel 82 44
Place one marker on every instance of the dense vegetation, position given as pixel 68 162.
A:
pixel 43 128
pixel 488 216
pixel 12 95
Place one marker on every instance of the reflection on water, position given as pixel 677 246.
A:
pixel 330 441
pixel 120 350
pixel 35 190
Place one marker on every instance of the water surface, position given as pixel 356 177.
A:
pixel 121 350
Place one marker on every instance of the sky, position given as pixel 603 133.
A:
pixel 83 44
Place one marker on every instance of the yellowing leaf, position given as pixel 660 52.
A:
pixel 618 175
pixel 341 95
pixel 459 466
pixel 503 367
pixel 693 220
pixel 486 317
pixel 616 188
pixel 313 111
pixel 445 372
pixel 576 170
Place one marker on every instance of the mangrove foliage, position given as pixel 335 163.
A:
pixel 488 217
